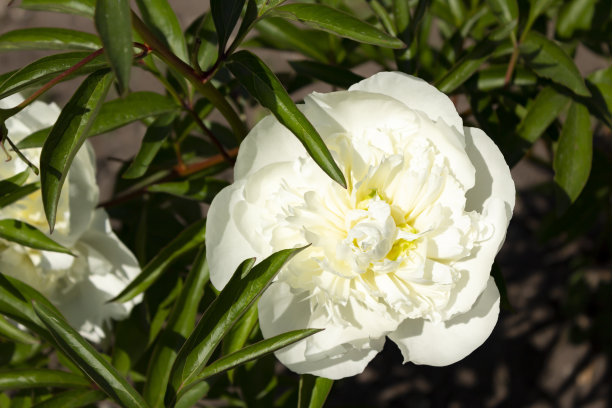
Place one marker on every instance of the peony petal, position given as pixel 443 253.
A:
pixel 268 142
pixel 444 343
pixel 107 245
pixel 226 247
pixel 493 196
pixel 493 177
pixel 280 310
pixel 414 93
pixel 83 191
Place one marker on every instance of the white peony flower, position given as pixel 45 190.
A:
pixel 78 285
pixel 404 252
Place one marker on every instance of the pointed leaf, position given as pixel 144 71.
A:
pixel 466 67
pixel 544 109
pixel 12 332
pixel 33 378
pixel 548 60
pixel 83 8
pixel 25 234
pixel 48 39
pixel 12 183
pixel 199 188
pixel 15 302
pixel 153 139
pixel 88 359
pixel 261 82
pixel 506 11
pixel 18 194
pixel 253 352
pixel 575 15
pixel 179 326
pixel 72 399
pixel 536 8
pixel 572 161
pixel 161 19
pixel 337 22
pixel 313 391
pixel 243 289
pixel 225 14
pixel 191 238
pixel 67 136
pixel 47 68
pixel 115 114
pixel 114 24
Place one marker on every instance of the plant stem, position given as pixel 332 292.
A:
pixel 199 82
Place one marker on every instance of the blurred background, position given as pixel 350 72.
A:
pixel 553 342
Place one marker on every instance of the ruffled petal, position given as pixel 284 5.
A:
pixel 444 343
pixel 226 247
pixel 493 177
pixel 280 311
pixel 493 196
pixel 414 93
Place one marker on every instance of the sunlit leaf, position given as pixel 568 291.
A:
pixel 25 234
pixel 34 378
pixel 162 20
pixel 79 7
pixel 313 391
pixel 48 39
pixel 261 82
pixel 548 60
pixel 67 136
pixel 337 22
pixel 113 22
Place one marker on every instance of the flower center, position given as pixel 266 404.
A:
pixel 374 241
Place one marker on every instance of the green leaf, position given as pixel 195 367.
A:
pixel 9 331
pixel 548 60
pixel 190 398
pixel 14 182
pixel 243 289
pixel 494 77
pixel 18 193
pixel 72 399
pixel 25 234
pixel 96 367
pixel 574 16
pixel 153 139
pixel 541 113
pixel 47 68
pixel 158 321
pixel 160 18
pixel 313 391
pixel 15 302
pixel 225 14
pixel 199 188
pixel 115 114
pixel 83 8
pixel 253 352
pixel 506 11
pixel 48 39
pixel 536 8
pixel 265 5
pixel 191 238
pixel 178 328
pixel 67 136
pixel 114 24
pixel 261 82
pixel 284 35
pixel 574 153
pixel 330 74
pixel 465 67
pixel 34 378
pixel 207 52
pixel 337 22
pixel 238 336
